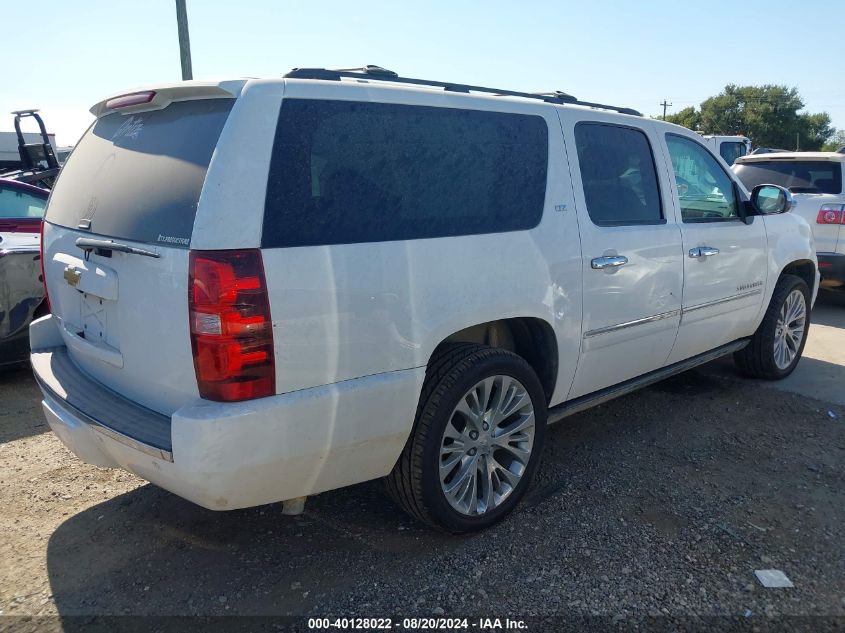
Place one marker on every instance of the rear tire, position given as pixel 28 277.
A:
pixel 777 345
pixel 476 442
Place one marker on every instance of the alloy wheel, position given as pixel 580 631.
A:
pixel 789 331
pixel 486 445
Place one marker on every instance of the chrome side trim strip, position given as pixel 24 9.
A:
pixel 710 304
pixel 627 324
pixel 101 428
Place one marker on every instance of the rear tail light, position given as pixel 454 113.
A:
pixel 231 329
pixel 831 214
pixel 43 276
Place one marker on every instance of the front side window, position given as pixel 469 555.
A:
pixel 705 191
pixel 345 172
pixel 617 170
pixel 18 204
pixel 731 150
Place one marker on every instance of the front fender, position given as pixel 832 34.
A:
pixel 790 240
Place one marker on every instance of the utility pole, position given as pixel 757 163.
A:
pixel 184 40
pixel 665 105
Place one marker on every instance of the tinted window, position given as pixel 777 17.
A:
pixel 617 170
pixel 705 191
pixel 799 176
pixel 345 172
pixel 139 176
pixel 731 150
pixel 18 204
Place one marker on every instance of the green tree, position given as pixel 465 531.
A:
pixel 837 140
pixel 688 117
pixel 769 115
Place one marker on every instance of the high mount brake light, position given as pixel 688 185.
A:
pixel 136 98
pixel 231 328
pixel 831 214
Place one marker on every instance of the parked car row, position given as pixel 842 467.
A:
pixel 265 289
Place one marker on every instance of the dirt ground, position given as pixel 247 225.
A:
pixel 662 502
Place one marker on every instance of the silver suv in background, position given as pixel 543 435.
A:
pixel 815 180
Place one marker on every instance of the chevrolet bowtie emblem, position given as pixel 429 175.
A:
pixel 72 276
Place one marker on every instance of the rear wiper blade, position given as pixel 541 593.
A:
pixel 88 244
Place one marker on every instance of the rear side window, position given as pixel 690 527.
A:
pixel 731 150
pixel 139 176
pixel 618 173
pixel 799 176
pixel 19 204
pixel 346 172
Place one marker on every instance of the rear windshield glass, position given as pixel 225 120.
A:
pixel 15 203
pixel 345 172
pixel 819 176
pixel 139 176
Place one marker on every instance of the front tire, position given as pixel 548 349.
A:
pixel 777 345
pixel 476 442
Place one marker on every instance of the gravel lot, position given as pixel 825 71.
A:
pixel 662 502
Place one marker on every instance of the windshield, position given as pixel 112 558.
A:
pixel 139 176
pixel 819 176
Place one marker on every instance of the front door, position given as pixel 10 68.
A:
pixel 724 258
pixel 631 255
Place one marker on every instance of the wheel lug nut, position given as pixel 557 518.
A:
pixel 473 435
pixel 485 426
pixel 472 451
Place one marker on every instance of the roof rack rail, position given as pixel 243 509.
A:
pixel 371 72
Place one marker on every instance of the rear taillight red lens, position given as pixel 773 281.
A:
pixel 41 257
pixel 231 329
pixel 831 214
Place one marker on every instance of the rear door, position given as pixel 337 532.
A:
pixel 134 180
pixel 724 258
pixel 631 252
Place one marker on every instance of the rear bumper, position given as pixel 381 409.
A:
pixel 233 455
pixel 832 269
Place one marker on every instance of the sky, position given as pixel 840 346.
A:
pixel 63 57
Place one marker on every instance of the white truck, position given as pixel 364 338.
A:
pixel 265 289
pixel 728 147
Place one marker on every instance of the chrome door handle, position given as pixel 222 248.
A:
pixel 600 263
pixel 703 251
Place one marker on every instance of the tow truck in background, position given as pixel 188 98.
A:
pixel 36 162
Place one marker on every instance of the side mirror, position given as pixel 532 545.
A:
pixel 771 199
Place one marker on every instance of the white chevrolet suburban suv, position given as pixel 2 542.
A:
pixel 265 289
